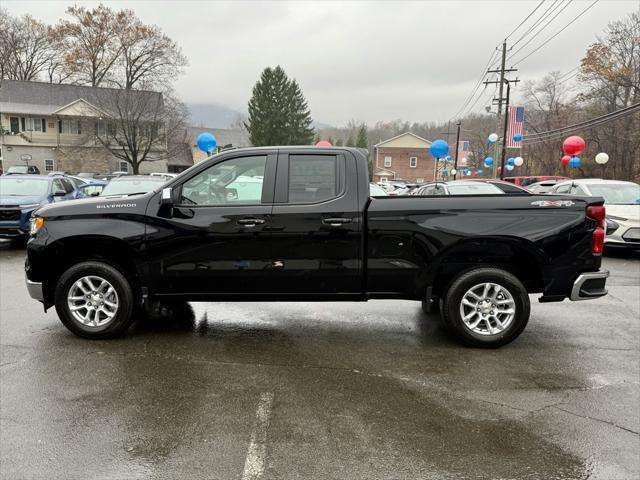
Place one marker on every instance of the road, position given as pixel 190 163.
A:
pixel 322 391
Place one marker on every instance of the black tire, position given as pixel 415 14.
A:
pixel 125 314
pixel 452 303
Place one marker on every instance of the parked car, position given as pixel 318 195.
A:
pixel 622 200
pixel 506 187
pixel 20 195
pixel 313 232
pixel 87 174
pixel 545 186
pixel 377 191
pixel 458 187
pixel 22 170
pixel 164 174
pixel 91 188
pixel 132 184
pixel 524 181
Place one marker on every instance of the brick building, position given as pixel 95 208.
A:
pixel 403 157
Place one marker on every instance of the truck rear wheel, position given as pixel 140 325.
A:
pixel 486 307
pixel 95 300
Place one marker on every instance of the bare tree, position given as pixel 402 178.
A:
pixel 142 126
pixel 26 47
pixel 148 57
pixel 91 42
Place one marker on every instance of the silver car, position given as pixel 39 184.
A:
pixel 622 202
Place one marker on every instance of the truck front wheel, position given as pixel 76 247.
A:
pixel 95 300
pixel 486 307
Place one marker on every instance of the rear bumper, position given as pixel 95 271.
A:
pixel 589 285
pixel 35 290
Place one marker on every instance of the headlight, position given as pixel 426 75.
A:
pixel 617 218
pixel 611 226
pixel 36 224
pixel 31 205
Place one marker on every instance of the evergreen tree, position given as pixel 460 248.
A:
pixel 278 112
pixel 350 142
pixel 361 140
pixel 338 142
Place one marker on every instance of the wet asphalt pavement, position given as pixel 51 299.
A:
pixel 329 391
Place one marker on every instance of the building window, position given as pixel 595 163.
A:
pixel 14 125
pixel 101 129
pixel 124 167
pixel 413 162
pixel 70 127
pixel 419 180
pixel 49 165
pixel 35 125
pixel 387 161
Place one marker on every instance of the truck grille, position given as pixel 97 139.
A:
pixel 9 214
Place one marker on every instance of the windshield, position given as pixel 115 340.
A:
pixel 475 189
pixel 617 193
pixel 32 187
pixel 127 186
pixel 376 191
pixel 18 169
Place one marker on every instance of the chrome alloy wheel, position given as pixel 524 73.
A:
pixel 93 301
pixel 487 309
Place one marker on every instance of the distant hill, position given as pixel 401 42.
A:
pixel 214 115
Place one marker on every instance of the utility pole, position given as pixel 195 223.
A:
pixel 502 71
pixel 455 158
pixel 506 123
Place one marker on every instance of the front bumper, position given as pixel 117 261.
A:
pixel 35 290
pixel 589 285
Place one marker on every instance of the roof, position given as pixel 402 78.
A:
pixel 589 181
pixel 406 134
pixel 224 136
pixel 42 98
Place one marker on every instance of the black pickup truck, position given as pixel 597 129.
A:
pixel 299 224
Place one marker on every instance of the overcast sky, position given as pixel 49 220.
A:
pixel 367 60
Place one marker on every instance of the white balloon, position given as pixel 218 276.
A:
pixel 453 171
pixel 463 161
pixel 519 161
pixel 493 137
pixel 602 158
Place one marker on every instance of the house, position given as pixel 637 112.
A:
pixel 58 127
pixel 403 157
pixel 226 138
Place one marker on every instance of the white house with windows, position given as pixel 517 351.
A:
pixel 57 127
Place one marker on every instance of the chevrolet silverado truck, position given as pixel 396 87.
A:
pixel 299 224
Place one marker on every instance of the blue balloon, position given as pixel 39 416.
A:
pixel 512 162
pixel 517 137
pixel 480 173
pixel 465 172
pixel 574 162
pixel 488 162
pixel 509 167
pixel 206 142
pixel 444 172
pixel 448 158
pixel 439 148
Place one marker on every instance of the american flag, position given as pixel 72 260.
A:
pixel 464 149
pixel 516 122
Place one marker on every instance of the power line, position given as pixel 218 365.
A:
pixel 558 32
pixel 564 7
pixel 525 19
pixel 475 89
pixel 541 137
pixel 554 5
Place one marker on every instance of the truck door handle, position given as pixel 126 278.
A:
pixel 250 222
pixel 336 222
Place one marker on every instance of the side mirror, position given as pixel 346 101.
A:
pixel 166 197
pixel 59 193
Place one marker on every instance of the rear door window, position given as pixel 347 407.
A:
pixel 314 178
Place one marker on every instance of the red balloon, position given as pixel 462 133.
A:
pixel 565 160
pixel 573 145
pixel 499 169
pixel 475 174
pixel 323 143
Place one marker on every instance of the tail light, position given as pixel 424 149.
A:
pixel 597 240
